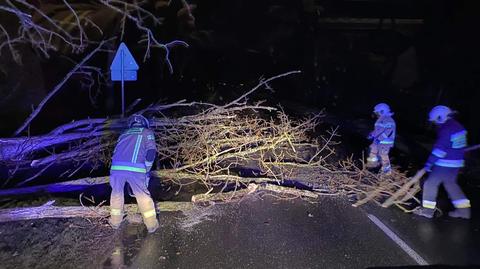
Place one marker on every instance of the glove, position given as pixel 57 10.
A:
pixel 148 165
pixel 428 167
pixel 147 179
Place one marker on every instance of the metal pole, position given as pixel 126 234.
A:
pixel 123 93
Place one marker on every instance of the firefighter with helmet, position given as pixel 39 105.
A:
pixel 383 138
pixel 131 162
pixel 444 164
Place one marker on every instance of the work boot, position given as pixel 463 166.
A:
pixel 424 212
pixel 152 224
pixel 462 213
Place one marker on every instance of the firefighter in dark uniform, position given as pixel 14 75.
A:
pixel 444 164
pixel 132 160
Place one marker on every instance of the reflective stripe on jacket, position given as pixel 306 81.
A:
pixel 384 132
pixel 131 150
pixel 449 148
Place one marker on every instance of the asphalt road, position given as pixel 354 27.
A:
pixel 268 233
pixel 442 240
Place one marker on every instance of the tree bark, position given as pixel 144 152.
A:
pixel 50 211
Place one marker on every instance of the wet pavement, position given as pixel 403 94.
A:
pixel 269 233
pixel 442 240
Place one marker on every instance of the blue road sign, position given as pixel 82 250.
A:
pixel 123 68
pixel 123 61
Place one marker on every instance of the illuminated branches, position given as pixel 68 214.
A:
pixel 71 27
pixel 217 145
pixel 34 34
pixel 213 142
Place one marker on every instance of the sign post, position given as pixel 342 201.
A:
pixel 123 68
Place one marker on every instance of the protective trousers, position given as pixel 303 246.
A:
pixel 379 151
pixel 447 176
pixel 137 182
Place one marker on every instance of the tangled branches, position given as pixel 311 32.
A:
pixel 205 140
pixel 227 141
pixel 363 186
pixel 227 145
pixel 41 30
pixel 71 27
pixel 236 143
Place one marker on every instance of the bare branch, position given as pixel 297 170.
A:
pixel 58 87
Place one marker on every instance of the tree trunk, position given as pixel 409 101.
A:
pixel 50 211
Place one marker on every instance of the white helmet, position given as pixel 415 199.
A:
pixel 440 114
pixel 382 109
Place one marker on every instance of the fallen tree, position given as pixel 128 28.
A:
pixel 48 210
pixel 371 192
pixel 211 142
pixel 237 143
pixel 360 185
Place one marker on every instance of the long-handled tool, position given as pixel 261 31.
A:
pixel 414 180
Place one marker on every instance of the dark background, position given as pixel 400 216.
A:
pixel 353 54
pixel 413 54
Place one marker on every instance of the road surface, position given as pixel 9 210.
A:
pixel 270 233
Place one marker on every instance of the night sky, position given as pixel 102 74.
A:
pixel 353 54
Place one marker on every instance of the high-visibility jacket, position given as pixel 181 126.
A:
pixel 130 153
pixel 449 148
pixel 384 132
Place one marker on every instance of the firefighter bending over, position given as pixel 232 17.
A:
pixel 132 160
